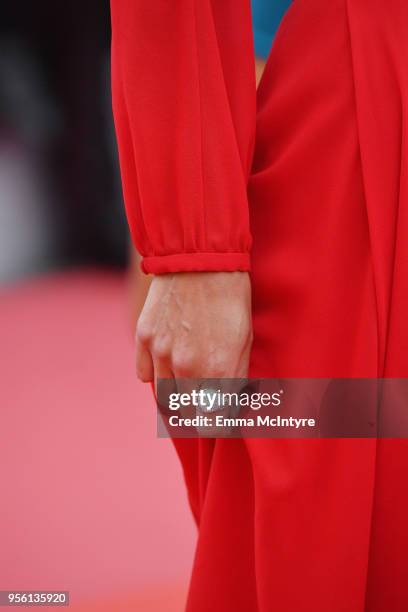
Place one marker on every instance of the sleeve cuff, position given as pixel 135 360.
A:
pixel 197 262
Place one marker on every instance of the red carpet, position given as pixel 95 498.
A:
pixel 92 502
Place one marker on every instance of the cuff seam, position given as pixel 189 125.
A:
pixel 209 261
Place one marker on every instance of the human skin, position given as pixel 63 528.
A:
pixel 195 325
pixel 259 68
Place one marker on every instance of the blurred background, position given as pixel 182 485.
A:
pixel 92 501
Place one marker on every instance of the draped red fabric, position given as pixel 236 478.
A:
pixel 284 525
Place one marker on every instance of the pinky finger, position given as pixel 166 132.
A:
pixel 144 362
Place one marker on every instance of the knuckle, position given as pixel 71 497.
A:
pixel 191 365
pixel 144 332
pixel 161 348
pixel 183 363
pixel 216 369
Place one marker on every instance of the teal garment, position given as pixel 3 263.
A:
pixel 266 17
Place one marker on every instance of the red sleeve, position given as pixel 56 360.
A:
pixel 184 106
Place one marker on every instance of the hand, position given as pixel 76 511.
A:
pixel 138 284
pixel 195 325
